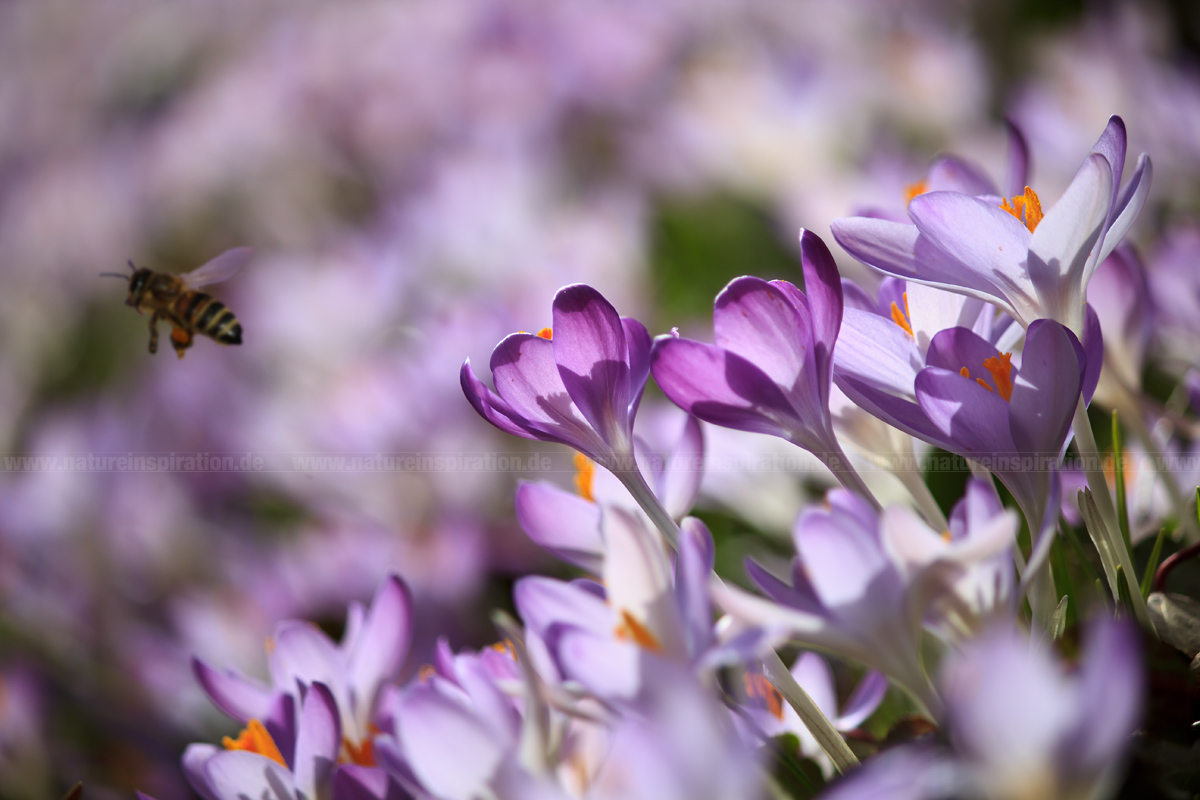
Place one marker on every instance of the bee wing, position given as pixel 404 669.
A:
pixel 221 268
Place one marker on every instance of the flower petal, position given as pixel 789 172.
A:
pixel 720 387
pixel 452 753
pixel 863 701
pixel 693 566
pixel 638 343
pixel 593 359
pixel 823 288
pixel 1018 160
pixel 375 656
pixel 814 676
pixel 757 321
pixel 238 774
pixel 318 739
pixel 1129 205
pixel 233 693
pixel 562 522
pixel 972 420
pixel 1046 389
pixel 304 654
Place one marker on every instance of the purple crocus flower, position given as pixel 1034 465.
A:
pixel 253 766
pixel 771 367
pixel 1033 266
pixel 849 594
pixel 965 396
pixel 1020 727
pixel 354 673
pixel 578 383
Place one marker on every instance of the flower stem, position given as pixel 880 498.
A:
pixel 836 460
pixel 814 719
pixel 1108 528
pixel 645 497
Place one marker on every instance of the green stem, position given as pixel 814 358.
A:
pixel 645 497
pixel 1107 527
pixel 814 719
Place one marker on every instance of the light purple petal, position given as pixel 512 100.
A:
pixel 1112 146
pixel 318 739
pixel 492 407
pixel 693 566
pixel 638 343
pixel 878 352
pixel 303 654
pixel 896 411
pixel 354 782
pixel 814 676
pixel 233 693
pixel 954 174
pixel 1046 390
pixel 973 420
pixel 451 752
pixel 1091 352
pixel 1111 688
pixel 543 602
pixel 379 651
pixel 719 387
pixel 988 243
pixel 1060 248
pixel 863 701
pixel 238 774
pixel 823 288
pixel 528 379
pixel 758 322
pixel 840 560
pixel 195 759
pixel 802 597
pixel 955 348
pixel 1129 205
pixel 609 668
pixel 593 360
pixel 562 522
pixel 684 470
pixel 854 296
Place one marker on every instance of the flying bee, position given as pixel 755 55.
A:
pixel 174 298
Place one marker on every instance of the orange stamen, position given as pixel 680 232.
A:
pixel 426 672
pixel 914 189
pixel 255 739
pixel 505 647
pixel 546 333
pixel 902 318
pixel 758 686
pixel 966 373
pixel 1026 207
pixel 1001 369
pixel 585 477
pixel 632 630
pixel 362 754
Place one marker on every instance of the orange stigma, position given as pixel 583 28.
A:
pixel 255 739
pixel 362 754
pixel 1001 369
pixel 1025 207
pixel 914 189
pixel 630 630
pixel 585 477
pixel 758 686
pixel 902 318
pixel 505 647
pixel 546 333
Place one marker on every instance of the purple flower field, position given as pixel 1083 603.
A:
pixel 599 400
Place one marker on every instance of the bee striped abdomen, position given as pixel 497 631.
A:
pixel 210 317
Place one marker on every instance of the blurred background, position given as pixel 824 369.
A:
pixel 417 178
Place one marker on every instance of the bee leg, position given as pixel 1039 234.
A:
pixel 153 334
pixel 181 340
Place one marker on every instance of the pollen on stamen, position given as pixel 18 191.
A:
pixel 546 333
pixel 585 477
pixel 966 373
pixel 255 739
pixel 902 318
pixel 359 753
pixel 1026 207
pixel 630 630
pixel 506 647
pixel 1001 369
pixel 914 189
pixel 757 686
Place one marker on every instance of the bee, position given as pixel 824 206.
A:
pixel 174 298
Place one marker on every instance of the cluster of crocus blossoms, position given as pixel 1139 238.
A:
pixel 648 675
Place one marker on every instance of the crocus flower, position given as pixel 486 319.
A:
pixel 967 397
pixel 355 672
pixel 850 595
pixel 1021 728
pixel 253 766
pixel 1033 266
pixel 578 383
pixel 603 637
pixel 568 523
pixel 770 369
